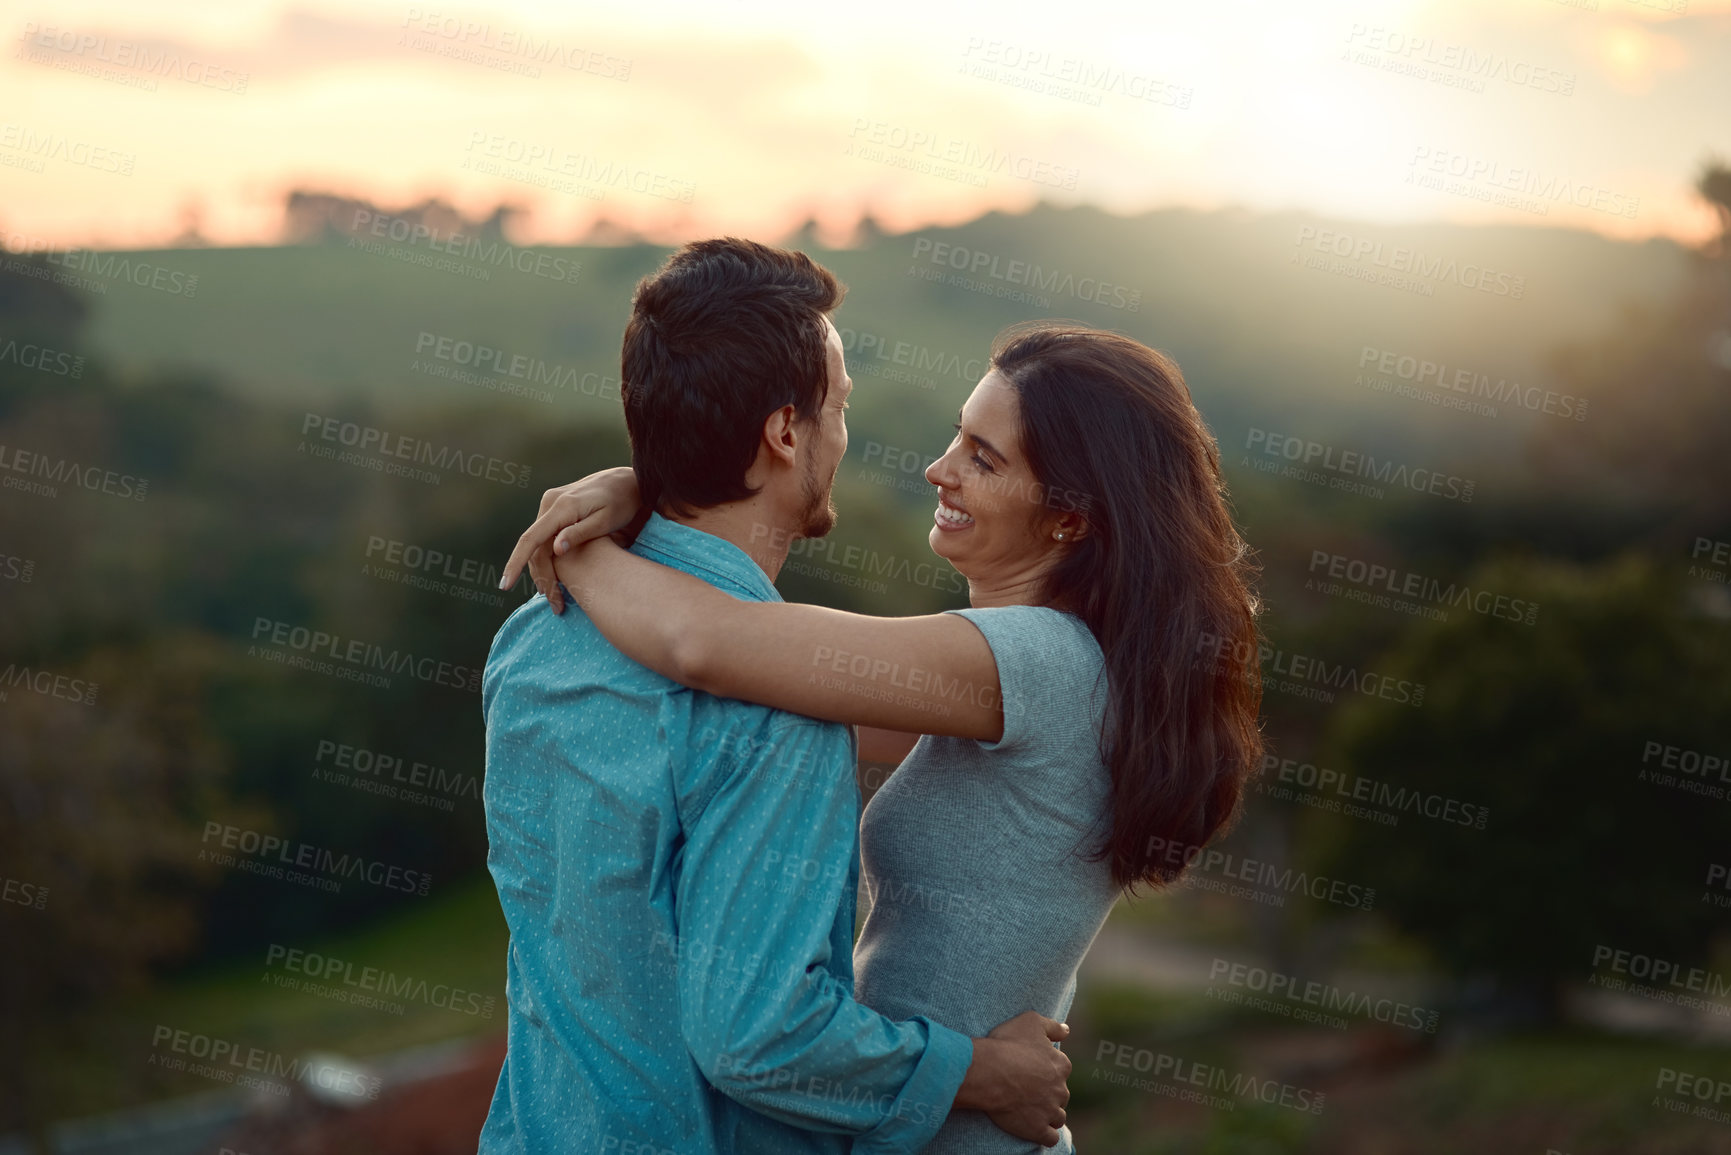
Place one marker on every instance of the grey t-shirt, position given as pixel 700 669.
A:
pixel 975 855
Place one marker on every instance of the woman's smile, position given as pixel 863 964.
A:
pixel 951 517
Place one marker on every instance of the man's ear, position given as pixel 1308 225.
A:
pixel 780 439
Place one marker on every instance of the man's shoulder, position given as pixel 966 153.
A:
pixel 770 743
pixel 534 634
pixel 538 656
pixel 766 723
pixel 535 622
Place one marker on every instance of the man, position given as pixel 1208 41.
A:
pixel 679 871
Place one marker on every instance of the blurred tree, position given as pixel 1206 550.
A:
pixel 1547 726
pixel 1714 185
pixel 36 309
pixel 1659 394
pixel 103 802
pixel 238 525
pixel 106 774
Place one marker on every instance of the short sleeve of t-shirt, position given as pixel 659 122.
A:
pixel 1050 670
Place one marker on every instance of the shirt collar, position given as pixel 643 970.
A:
pixel 715 560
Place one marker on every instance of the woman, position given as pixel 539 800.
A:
pixel 1078 726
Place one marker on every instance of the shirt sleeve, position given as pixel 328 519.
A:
pixel 765 903
pixel 1049 673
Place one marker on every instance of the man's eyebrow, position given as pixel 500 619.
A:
pixel 981 441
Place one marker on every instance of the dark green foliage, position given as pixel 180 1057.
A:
pixel 1548 726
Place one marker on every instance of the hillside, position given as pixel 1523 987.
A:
pixel 1269 324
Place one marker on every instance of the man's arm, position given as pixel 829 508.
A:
pixel 767 865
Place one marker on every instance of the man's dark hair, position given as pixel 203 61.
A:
pixel 725 333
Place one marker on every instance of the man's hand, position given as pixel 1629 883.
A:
pixel 596 506
pixel 1017 1077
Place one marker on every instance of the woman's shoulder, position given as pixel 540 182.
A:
pixel 1049 662
pixel 1055 633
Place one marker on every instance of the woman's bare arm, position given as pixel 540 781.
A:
pixel 933 674
pixel 879 745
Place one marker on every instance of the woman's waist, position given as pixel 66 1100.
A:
pixel 973 1133
pixel 967 995
pixel 927 916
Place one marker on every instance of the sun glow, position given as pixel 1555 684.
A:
pixel 126 128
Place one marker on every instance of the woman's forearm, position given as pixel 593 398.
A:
pixel 932 674
pixel 653 614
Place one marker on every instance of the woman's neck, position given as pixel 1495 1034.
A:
pixel 1022 591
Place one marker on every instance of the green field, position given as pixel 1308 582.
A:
pixel 458 941
pixel 1577 1092
pixel 1260 336
pixel 1581 1092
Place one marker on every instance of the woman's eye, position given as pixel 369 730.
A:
pixel 978 460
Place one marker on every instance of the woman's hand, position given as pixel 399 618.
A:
pixel 600 504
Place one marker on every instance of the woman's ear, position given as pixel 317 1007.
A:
pixel 1069 527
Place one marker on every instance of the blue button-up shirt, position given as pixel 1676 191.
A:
pixel 678 873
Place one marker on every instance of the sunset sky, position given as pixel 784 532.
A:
pixel 121 122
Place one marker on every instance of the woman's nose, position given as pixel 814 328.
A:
pixel 939 473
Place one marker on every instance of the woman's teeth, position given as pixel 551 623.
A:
pixel 953 517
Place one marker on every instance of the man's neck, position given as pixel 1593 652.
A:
pixel 748 524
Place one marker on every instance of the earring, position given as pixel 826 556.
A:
pixel 1060 535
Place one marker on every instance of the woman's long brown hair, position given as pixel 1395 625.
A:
pixel 1161 577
